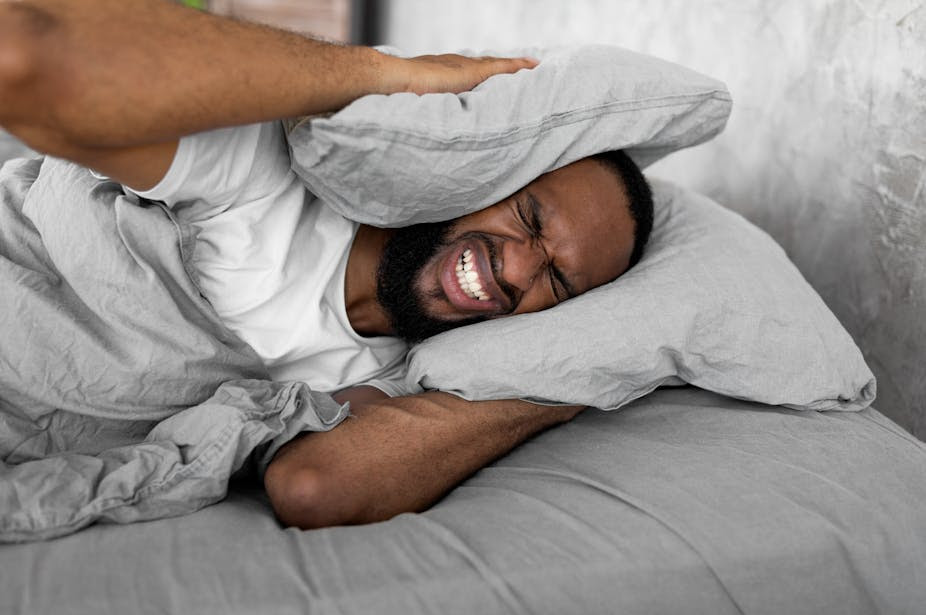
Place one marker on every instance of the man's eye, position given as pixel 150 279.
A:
pixel 522 218
pixel 528 220
pixel 558 293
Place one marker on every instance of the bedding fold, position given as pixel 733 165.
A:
pixel 100 314
pixel 183 464
pixel 123 396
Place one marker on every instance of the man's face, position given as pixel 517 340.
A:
pixel 565 233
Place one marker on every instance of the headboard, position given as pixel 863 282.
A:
pixel 826 147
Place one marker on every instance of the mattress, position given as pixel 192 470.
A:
pixel 683 502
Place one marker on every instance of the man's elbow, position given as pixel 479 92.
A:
pixel 16 66
pixel 18 61
pixel 296 496
pixel 26 67
pixel 307 498
pixel 23 40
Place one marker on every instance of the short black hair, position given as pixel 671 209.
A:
pixel 639 195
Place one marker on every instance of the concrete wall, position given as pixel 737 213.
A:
pixel 826 148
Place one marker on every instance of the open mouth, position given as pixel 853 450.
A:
pixel 468 283
pixel 468 277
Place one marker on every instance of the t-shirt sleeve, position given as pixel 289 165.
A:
pixel 213 170
pixel 391 381
pixel 392 388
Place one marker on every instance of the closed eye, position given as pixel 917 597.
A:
pixel 529 213
pixel 556 274
pixel 557 279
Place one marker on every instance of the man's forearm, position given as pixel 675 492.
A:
pixel 397 455
pixel 116 73
pixel 76 74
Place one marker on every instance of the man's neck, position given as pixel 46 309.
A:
pixel 364 312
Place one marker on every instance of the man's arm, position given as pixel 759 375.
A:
pixel 112 84
pixel 395 455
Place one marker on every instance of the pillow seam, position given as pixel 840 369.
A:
pixel 526 131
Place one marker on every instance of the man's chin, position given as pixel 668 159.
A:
pixel 412 255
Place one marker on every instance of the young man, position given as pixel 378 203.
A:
pixel 179 107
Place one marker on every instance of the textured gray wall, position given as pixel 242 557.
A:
pixel 826 148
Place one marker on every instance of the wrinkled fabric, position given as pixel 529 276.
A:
pixel 100 314
pixel 122 394
pixel 183 464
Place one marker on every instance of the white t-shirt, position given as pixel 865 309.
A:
pixel 271 259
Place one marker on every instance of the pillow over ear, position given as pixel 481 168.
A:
pixel 714 302
pixel 401 159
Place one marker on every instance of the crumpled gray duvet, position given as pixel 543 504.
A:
pixel 122 395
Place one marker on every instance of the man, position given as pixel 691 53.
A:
pixel 178 106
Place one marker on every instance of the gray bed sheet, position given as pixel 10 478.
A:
pixel 683 502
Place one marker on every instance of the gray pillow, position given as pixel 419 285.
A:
pixel 404 158
pixel 714 302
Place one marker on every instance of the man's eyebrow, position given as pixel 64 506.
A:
pixel 537 219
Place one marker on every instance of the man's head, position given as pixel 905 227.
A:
pixel 566 232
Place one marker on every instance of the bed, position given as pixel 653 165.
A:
pixel 683 502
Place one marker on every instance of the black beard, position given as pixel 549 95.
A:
pixel 404 255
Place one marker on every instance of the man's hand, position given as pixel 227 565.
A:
pixel 396 455
pixel 456 73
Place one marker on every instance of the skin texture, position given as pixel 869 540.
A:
pixel 64 92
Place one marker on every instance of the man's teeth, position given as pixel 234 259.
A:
pixel 468 277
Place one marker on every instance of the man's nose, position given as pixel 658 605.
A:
pixel 523 261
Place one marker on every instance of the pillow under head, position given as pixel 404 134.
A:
pixel 404 158
pixel 714 302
